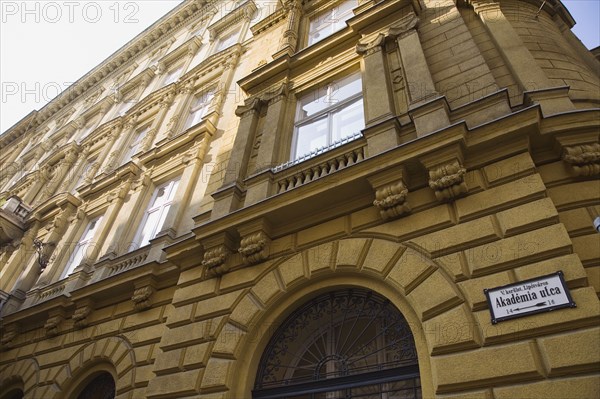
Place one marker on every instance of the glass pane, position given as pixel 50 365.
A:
pixel 227 41
pixel 345 88
pixel 330 21
pixel 172 76
pixel 161 221
pixel 348 120
pixel 75 259
pixel 311 136
pixel 149 228
pixel 160 197
pixel 172 189
pixel 313 103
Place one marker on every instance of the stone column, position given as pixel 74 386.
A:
pixel 60 175
pixel 20 257
pixel 427 108
pixel 270 144
pixel 519 60
pixel 109 157
pixel 164 106
pixel 184 99
pixel 380 129
pixel 238 158
pixel 193 161
pixel 289 41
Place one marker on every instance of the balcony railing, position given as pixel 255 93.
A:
pixel 319 163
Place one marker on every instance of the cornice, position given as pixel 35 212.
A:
pixel 270 21
pixel 245 11
pixel 154 34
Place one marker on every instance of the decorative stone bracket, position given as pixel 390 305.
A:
pixel 83 310
pixel 390 193
pixel 583 159
pixel 10 332
pixel 142 294
pixel 446 172
pixel 447 181
pixel 255 242
pixel 55 318
pixel 215 258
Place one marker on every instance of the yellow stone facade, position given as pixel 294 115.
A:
pixel 477 166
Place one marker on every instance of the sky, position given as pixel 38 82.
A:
pixel 47 45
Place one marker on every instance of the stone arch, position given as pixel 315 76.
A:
pixel 421 288
pixel 24 372
pixel 112 354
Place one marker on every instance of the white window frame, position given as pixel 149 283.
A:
pixel 133 147
pixel 329 21
pixel 84 169
pixel 222 40
pixel 172 75
pixel 79 253
pixel 162 210
pixel 199 108
pixel 328 112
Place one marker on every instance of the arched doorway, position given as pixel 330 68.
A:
pixel 16 393
pixel 350 343
pixel 102 386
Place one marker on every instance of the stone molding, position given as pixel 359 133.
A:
pixel 447 181
pixel 583 159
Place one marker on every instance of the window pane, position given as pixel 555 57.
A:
pixel 348 121
pixel 330 21
pixel 172 76
pixel 149 228
pixel 344 88
pixel 227 41
pixel 311 136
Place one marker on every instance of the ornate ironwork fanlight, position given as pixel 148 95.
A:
pixel 341 344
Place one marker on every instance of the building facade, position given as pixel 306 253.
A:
pixel 307 199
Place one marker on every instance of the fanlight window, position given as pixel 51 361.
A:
pixel 101 387
pixel 345 344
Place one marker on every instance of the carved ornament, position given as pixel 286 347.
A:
pixel 448 181
pixel 391 200
pixel 254 247
pixel 583 159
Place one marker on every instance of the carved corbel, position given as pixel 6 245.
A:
pixel 142 297
pixel 404 26
pixel 584 159
pixel 275 93
pixel 81 313
pixel 255 242
pixel 8 335
pixel 370 47
pixel 447 181
pixel 391 200
pixel 216 256
pixel 390 193
pixel 55 318
pixel 251 105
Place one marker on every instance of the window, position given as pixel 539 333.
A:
pixel 125 106
pixel 328 115
pixel 350 343
pixel 199 108
pixel 172 76
pixel 134 145
pixel 227 40
pixel 101 387
pixel 155 216
pixel 82 247
pixel 330 21
pixel 86 173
